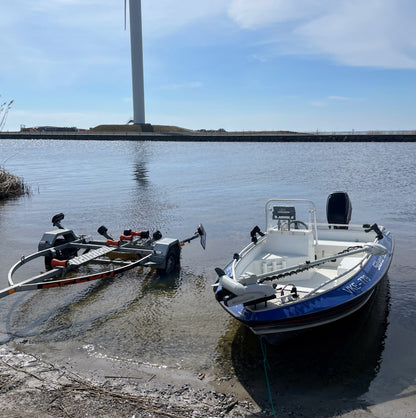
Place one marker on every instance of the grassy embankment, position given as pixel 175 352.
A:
pixel 168 129
pixel 140 128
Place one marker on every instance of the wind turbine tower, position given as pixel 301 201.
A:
pixel 135 9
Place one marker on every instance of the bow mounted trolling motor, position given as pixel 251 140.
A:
pixel 253 234
pixel 102 230
pixel 374 228
pixel 338 209
pixel 56 238
pixel 56 220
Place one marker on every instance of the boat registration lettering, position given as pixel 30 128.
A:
pixel 378 263
pixel 356 286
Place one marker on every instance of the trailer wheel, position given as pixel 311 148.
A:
pixel 172 262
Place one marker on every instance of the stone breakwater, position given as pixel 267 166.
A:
pixel 211 137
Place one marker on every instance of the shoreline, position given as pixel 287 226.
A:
pixel 32 385
pixel 77 385
pixel 210 137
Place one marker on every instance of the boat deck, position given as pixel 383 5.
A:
pixel 301 257
pixel 314 278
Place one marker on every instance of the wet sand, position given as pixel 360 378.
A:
pixel 31 386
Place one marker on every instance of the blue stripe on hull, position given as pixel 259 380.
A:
pixel 312 320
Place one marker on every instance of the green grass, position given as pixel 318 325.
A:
pixel 140 128
pixel 176 129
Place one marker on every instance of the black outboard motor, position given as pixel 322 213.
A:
pixel 338 209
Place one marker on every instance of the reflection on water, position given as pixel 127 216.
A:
pixel 56 314
pixel 165 285
pixel 62 313
pixel 139 316
pixel 140 173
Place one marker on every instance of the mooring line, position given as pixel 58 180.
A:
pixel 266 366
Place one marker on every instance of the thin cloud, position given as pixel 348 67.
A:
pixel 258 57
pixel 186 85
pixel 250 14
pixel 318 103
pixel 332 100
pixel 163 17
pixel 339 98
pixel 50 36
pixel 375 33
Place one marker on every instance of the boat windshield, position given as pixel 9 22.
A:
pixel 288 214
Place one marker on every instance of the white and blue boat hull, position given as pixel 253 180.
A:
pixel 330 304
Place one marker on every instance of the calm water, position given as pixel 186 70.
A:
pixel 176 322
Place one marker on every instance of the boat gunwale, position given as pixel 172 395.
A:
pixel 374 279
pixel 363 262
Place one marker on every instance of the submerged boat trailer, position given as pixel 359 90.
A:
pixel 60 248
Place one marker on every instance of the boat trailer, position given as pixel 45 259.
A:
pixel 71 259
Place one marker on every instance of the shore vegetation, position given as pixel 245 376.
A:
pixel 11 185
pixel 4 111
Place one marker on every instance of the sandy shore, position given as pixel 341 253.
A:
pixel 31 386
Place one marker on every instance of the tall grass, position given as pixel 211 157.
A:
pixel 4 110
pixel 10 185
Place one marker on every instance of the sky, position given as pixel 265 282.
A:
pixel 298 65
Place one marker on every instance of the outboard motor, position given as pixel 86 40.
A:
pixel 338 209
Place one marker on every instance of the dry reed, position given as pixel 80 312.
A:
pixel 10 185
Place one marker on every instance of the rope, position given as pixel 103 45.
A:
pixel 267 366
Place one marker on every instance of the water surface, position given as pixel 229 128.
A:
pixel 176 322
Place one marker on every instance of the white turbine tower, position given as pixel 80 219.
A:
pixel 135 10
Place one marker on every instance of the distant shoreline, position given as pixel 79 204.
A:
pixel 211 136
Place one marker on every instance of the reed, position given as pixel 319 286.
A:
pixel 11 185
pixel 4 110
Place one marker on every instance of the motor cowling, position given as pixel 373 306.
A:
pixel 338 208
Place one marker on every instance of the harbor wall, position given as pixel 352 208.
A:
pixel 211 137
